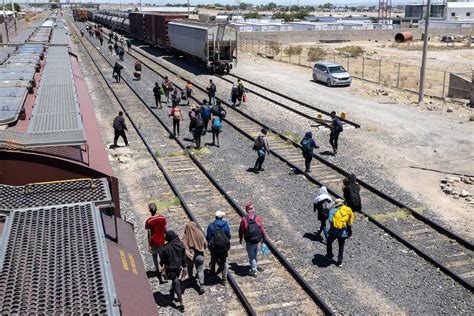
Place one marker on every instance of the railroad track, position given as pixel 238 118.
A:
pixel 279 287
pixel 446 250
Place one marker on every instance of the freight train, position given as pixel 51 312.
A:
pixel 213 44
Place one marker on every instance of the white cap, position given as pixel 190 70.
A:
pixel 220 214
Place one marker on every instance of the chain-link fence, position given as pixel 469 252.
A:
pixel 397 75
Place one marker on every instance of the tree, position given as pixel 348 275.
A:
pixel 327 6
pixel 17 7
pixel 252 15
pixel 244 6
pixel 271 6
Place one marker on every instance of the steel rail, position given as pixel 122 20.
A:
pixel 296 275
pixel 245 303
pixel 286 97
pixel 377 192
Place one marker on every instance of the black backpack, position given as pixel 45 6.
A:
pixel 339 127
pixel 212 87
pixel 353 198
pixel 219 244
pixel 199 122
pixel 259 144
pixel 253 234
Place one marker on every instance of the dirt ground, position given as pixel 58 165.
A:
pixel 395 134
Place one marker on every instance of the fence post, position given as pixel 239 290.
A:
pixel 363 66
pixel 290 53
pixel 348 63
pixel 398 76
pixel 266 48
pixel 299 59
pixel 380 69
pixel 334 56
pixel 444 84
pixel 281 52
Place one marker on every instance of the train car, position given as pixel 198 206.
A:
pixel 137 25
pixel 213 44
pixel 90 14
pixel 156 28
pixel 80 14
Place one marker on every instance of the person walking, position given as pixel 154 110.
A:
pixel 129 44
pixel 206 115
pixel 157 95
pixel 251 230
pixel 336 129
pixel 194 244
pixel 262 148
pixel 240 91
pixel 189 90
pixel 216 126
pixel 116 48
pixel 351 193
pixel 322 205
pixel 175 98
pixel 156 229
pixel 121 53
pixel 218 110
pixel 174 260
pixel 218 237
pixel 101 39
pixel 117 73
pixel 119 129
pixel 198 129
pixel 211 92
pixel 177 116
pixel 234 94
pixel 111 48
pixel 341 218
pixel 167 88
pixel 82 33
pixel 138 70
pixel 307 146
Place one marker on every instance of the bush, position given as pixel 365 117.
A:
pixel 274 48
pixel 316 53
pixel 293 50
pixel 351 51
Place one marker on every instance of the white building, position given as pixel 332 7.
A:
pixel 460 11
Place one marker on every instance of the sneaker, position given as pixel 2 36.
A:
pixel 224 282
pixel 181 308
pixel 339 264
pixel 201 291
pixel 254 274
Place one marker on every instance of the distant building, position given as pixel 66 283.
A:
pixel 192 10
pixel 418 11
pixel 460 11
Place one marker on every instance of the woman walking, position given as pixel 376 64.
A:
pixel 195 243
pixel 307 146
pixel 322 205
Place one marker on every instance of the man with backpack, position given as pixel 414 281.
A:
pixel 197 129
pixel 341 218
pixel 167 87
pixel 351 192
pixel 211 92
pixel 323 205
pixel 336 129
pixel 218 110
pixel 240 91
pixel 177 116
pixel 262 149
pixel 206 114
pixel 156 229
pixel 251 230
pixel 174 260
pixel 216 126
pixel 307 146
pixel 218 237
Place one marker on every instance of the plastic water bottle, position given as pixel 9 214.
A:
pixel 265 250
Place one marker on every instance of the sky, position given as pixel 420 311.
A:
pixel 282 2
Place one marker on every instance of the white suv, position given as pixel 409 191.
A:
pixel 332 74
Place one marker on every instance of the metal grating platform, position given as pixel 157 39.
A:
pixel 55 193
pixel 55 261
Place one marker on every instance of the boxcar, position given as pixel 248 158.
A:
pixel 137 25
pixel 213 44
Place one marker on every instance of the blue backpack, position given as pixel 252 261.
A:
pixel 217 123
pixel 205 112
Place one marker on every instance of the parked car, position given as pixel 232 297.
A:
pixel 332 74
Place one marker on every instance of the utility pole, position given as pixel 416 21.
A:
pixel 421 92
pixel 188 8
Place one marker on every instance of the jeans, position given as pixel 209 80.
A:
pixel 175 127
pixel 175 284
pixel 333 137
pixel 119 133
pixel 307 161
pixel 252 251
pixel 155 252
pixel 198 262
pixel 215 136
pixel 197 136
pixel 340 241
pixel 222 262
pixel 260 160
pixel 212 98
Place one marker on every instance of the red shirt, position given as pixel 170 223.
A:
pixel 157 226
pixel 244 225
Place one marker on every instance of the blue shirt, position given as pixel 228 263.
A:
pixel 211 229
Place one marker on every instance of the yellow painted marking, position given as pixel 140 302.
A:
pixel 132 263
pixel 124 260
